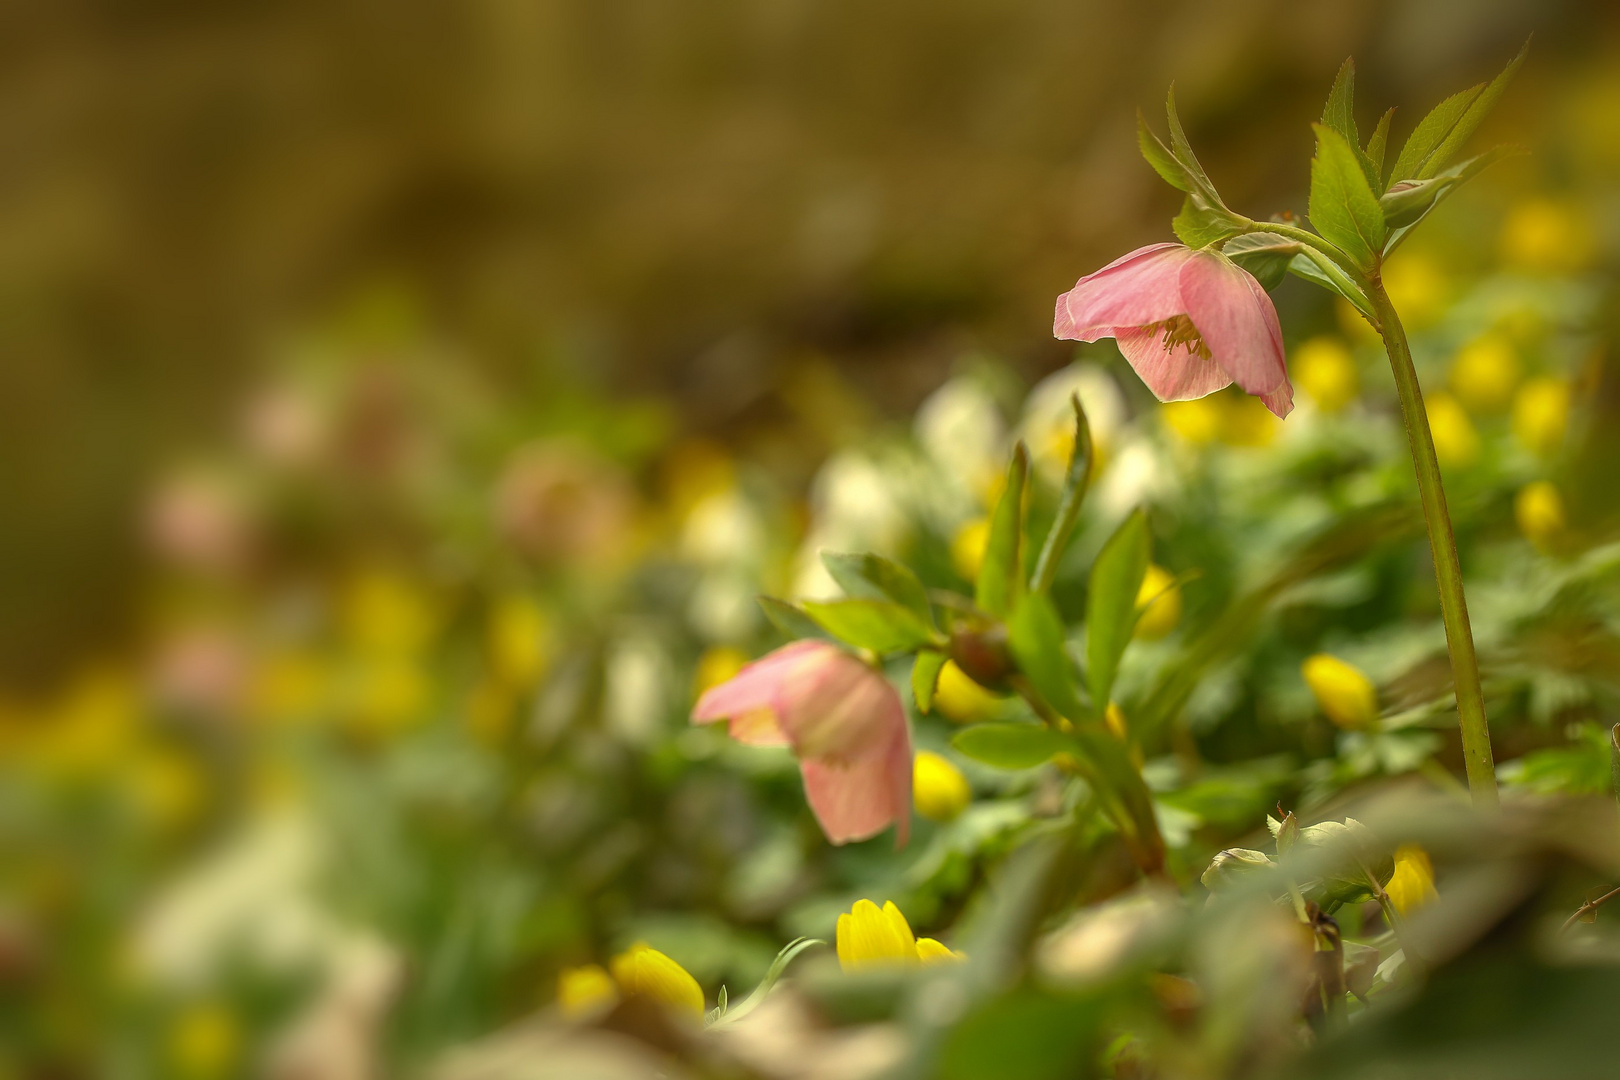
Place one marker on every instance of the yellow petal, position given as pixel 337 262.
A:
pixel 959 698
pixel 930 951
pixel 1346 695
pixel 644 971
pixel 967 548
pixel 1539 511
pixel 1160 601
pixel 1412 884
pixel 582 990
pixel 868 936
pixel 938 788
pixel 1541 414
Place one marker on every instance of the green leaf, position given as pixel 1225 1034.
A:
pixel 1408 202
pixel 1375 148
pixel 1199 224
pixel 1183 149
pixel 1010 746
pixel 1075 482
pixel 1116 578
pixel 1441 134
pixel 925 677
pixel 1158 155
pixel 1339 113
pixel 1614 758
pixel 872 577
pixel 1319 271
pixel 880 625
pixel 1265 255
pixel 1036 636
pixel 1001 574
pixel 1343 207
pixel 748 1004
pixel 790 620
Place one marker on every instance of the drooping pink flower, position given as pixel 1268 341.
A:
pixel 1190 322
pixel 844 722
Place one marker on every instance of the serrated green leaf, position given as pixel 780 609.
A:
pixel 790 620
pixel 1036 637
pixel 1183 151
pixel 1159 156
pixel 872 577
pixel 1265 255
pixel 1001 575
pixel 1010 746
pixel 1116 578
pixel 1441 134
pixel 1199 224
pixel 1339 112
pixel 1075 482
pixel 880 625
pixel 1343 207
pixel 925 677
pixel 1376 145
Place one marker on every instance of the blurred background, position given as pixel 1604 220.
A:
pixel 402 404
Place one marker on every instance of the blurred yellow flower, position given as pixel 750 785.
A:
pixel 967 548
pixel 1352 323
pixel 385 613
pixel 1324 368
pixel 1245 421
pixel 1342 691
pixel 1160 601
pixel 1198 422
pixel 1546 235
pixel 1114 718
pixel 287 686
pixel 1412 884
pixel 961 699
pixel 1539 511
pixel 694 470
pixel 1541 414
pixel 517 640
pixel 92 727
pixel 1417 286
pixel 869 936
pixel 584 990
pixel 645 972
pixel 1485 372
pixel 385 696
pixel 167 786
pixel 489 712
pixel 718 664
pixel 938 788
pixel 205 1041
pixel 1456 443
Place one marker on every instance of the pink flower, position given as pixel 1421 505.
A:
pixel 1190 322
pixel 842 719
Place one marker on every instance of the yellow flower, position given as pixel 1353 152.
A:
pixel 1198 422
pixel 1325 370
pixel 1539 511
pixel 1353 323
pixel 967 548
pixel 1485 373
pixel 385 613
pixel 644 971
pixel 1114 718
pixel 287 686
pixel 1160 601
pixel 582 990
pixel 1547 236
pixel 1245 421
pixel 1417 287
pixel 489 712
pixel 1541 414
pixel 1412 884
pixel 961 699
pixel 1346 695
pixel 517 641
pixel 1455 440
pixel 938 788
pixel 385 697
pixel 205 1041
pixel 718 664
pixel 167 787
pixel 930 951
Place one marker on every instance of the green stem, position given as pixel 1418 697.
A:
pixel 1476 736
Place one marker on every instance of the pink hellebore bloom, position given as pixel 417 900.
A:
pixel 1190 322
pixel 842 719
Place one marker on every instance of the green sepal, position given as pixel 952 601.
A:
pixel 879 625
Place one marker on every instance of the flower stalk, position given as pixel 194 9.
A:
pixel 1476 735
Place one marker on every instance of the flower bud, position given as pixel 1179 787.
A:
pixel 1412 884
pixel 1159 599
pixel 869 936
pixel 930 951
pixel 982 655
pixel 1539 511
pixel 938 788
pixel 1342 691
pixel 959 698
pixel 1228 866
pixel 645 972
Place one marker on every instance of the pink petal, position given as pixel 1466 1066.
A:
pixel 1138 289
pixel 751 699
pixel 836 706
pixel 859 798
pixel 1238 322
pixel 1176 375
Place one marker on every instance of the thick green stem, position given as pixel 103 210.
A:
pixel 1476 736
